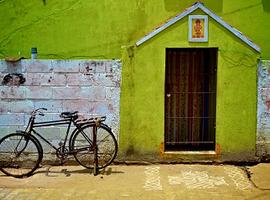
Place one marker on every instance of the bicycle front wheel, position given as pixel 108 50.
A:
pixel 83 147
pixel 20 155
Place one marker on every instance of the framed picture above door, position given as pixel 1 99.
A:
pixel 198 28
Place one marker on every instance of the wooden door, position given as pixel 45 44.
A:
pixel 190 99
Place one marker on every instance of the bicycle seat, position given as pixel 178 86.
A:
pixel 68 114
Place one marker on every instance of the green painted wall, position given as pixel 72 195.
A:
pixel 142 94
pixel 74 29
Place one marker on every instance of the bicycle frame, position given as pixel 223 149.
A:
pixel 67 121
pixel 52 123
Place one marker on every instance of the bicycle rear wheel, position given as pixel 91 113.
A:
pixel 20 155
pixel 83 147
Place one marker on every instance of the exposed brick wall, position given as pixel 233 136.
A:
pixel 90 86
pixel 263 113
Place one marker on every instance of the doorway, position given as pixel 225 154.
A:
pixel 190 99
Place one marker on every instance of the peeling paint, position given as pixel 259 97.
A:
pixel 263 109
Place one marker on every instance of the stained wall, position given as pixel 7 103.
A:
pixel 263 110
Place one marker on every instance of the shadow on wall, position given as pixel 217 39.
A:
pixel 178 5
pixel 266 5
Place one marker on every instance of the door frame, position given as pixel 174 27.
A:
pixel 214 58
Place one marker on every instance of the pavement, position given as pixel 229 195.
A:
pixel 166 182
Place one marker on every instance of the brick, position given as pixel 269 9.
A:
pixel 32 79
pixel 4 106
pixel 51 105
pixel 79 79
pixel 95 93
pixel 87 67
pixel 54 79
pixel 90 93
pixel 95 79
pixel 78 105
pixel 94 66
pixel 21 106
pixel 67 93
pixel 100 66
pixel 91 80
pixel 12 119
pixel 36 92
pixel 37 65
pixel 65 65
pixel 12 92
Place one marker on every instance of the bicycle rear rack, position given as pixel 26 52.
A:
pixel 90 120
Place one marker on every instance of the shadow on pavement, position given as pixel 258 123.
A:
pixel 53 173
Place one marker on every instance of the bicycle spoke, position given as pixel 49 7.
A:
pixel 106 147
pixel 18 156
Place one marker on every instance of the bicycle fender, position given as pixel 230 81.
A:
pixel 106 126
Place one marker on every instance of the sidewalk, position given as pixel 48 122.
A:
pixel 164 182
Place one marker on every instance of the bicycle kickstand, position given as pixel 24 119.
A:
pixel 95 172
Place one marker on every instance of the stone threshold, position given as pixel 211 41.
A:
pixel 190 152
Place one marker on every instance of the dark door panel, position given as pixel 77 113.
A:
pixel 190 99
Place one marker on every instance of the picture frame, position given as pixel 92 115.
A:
pixel 198 28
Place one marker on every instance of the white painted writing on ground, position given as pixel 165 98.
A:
pixel 197 180
pixel 152 179
pixel 239 179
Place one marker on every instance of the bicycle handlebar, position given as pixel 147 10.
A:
pixel 38 111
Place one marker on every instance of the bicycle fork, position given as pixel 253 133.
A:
pixel 16 150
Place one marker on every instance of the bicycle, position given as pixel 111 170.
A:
pixel 92 144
